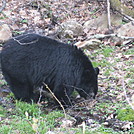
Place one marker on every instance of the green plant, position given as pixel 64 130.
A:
pixel 22 126
pixel 107 51
pixel 123 22
pixel 130 72
pixel 22 108
pixel 94 16
pixel 131 81
pixel 5 129
pixel 10 95
pixel 107 72
pixel 129 51
pixel 1 18
pixel 17 32
pixel 2 83
pixel 95 10
pixel 104 63
pixel 95 64
pixel 125 114
pixel 69 42
pixel 24 21
pixel 2 112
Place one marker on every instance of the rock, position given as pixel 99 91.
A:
pixel 126 30
pixel 89 44
pixel 101 23
pixel 69 29
pixel 5 33
pixel 68 122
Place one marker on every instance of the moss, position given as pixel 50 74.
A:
pixel 125 114
pixel 2 112
pixel 117 5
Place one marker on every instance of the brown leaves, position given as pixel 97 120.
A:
pixel 118 125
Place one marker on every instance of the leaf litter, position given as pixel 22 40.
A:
pixel 116 68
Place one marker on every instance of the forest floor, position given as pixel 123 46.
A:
pixel 110 113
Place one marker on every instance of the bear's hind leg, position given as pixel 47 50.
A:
pixel 21 89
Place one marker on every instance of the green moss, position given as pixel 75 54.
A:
pixel 125 114
pixel 107 72
pixel 129 51
pixel 2 112
pixel 107 51
pixel 95 64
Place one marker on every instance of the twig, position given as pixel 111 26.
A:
pixel 41 90
pixel 128 17
pixel 3 5
pixel 84 127
pixel 55 98
pixel 77 88
pixel 19 41
pixel 100 36
pixel 108 15
pixel 123 85
pixel 68 98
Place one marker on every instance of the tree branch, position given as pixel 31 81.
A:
pixel 108 15
pixel 123 85
pixel 55 99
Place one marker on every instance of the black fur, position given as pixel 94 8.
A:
pixel 29 60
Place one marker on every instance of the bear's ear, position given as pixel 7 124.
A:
pixel 97 70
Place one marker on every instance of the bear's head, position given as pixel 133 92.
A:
pixel 89 83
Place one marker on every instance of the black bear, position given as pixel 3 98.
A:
pixel 30 60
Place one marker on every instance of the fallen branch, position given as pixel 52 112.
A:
pixel 101 36
pixel 55 99
pixel 128 17
pixel 25 43
pixel 123 85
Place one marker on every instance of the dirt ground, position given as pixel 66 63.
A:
pixel 116 65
